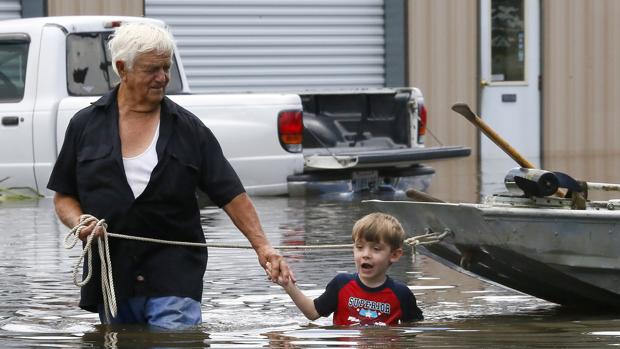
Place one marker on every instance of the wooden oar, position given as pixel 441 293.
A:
pixel 421 196
pixel 463 109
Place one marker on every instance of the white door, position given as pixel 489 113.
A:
pixel 510 94
pixel 16 157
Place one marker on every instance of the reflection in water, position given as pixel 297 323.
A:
pixel 113 337
pixel 241 309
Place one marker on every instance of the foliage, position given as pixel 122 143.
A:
pixel 18 193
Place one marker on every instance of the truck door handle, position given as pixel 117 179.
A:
pixel 10 121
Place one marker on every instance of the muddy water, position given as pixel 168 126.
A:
pixel 242 310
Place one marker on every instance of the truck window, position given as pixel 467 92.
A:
pixel 13 59
pixel 89 66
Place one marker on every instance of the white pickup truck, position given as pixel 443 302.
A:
pixel 52 67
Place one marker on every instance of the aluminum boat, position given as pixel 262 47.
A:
pixel 554 248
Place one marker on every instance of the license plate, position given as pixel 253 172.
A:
pixel 364 180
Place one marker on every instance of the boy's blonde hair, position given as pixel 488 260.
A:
pixel 379 227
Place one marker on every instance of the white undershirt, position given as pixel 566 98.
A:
pixel 138 168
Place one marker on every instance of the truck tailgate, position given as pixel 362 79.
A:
pixel 318 159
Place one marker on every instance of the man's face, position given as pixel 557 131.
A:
pixel 148 79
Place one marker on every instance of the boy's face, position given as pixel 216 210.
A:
pixel 372 260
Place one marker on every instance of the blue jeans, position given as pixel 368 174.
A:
pixel 165 312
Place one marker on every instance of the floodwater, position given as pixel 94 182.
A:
pixel 241 309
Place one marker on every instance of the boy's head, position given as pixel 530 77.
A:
pixel 379 227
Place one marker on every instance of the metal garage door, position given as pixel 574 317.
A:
pixel 10 9
pixel 269 45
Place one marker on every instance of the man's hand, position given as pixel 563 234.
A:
pixel 86 231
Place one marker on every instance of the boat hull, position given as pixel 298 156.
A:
pixel 569 257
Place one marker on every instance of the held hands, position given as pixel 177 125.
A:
pixel 276 268
pixel 284 282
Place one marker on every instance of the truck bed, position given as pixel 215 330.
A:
pixel 366 139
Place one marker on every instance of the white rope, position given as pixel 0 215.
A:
pixel 199 244
pixel 427 238
pixel 107 281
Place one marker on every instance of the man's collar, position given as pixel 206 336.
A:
pixel 170 106
pixel 107 98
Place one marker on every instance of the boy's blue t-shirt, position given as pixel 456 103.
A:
pixel 352 302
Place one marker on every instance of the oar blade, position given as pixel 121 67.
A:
pixel 465 110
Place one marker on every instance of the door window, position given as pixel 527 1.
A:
pixel 89 66
pixel 507 40
pixel 13 59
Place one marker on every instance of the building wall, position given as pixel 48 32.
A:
pixel 581 88
pixel 443 63
pixel 100 7
pixel 10 9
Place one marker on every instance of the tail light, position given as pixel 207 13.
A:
pixel 290 130
pixel 422 123
pixel 112 24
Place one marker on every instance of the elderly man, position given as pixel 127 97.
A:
pixel 136 159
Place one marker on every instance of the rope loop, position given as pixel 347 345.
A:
pixel 107 281
pixel 428 238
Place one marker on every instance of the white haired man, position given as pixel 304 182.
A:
pixel 136 159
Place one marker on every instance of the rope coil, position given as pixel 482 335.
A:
pixel 107 281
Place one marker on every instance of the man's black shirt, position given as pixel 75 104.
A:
pixel 90 168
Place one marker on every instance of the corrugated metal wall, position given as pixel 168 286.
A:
pixel 10 9
pixel 581 88
pixel 263 45
pixel 443 61
pixel 106 7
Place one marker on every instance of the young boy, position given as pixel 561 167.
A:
pixel 368 296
